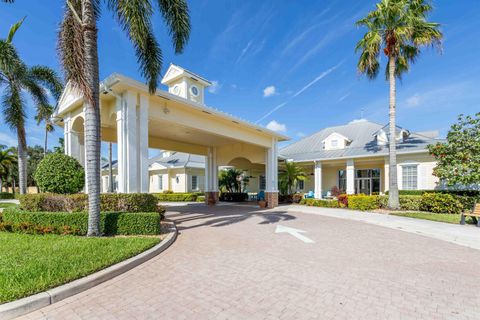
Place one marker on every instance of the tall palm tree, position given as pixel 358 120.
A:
pixel 290 175
pixel 15 79
pixel 7 159
pixel 400 28
pixel 44 114
pixel 79 55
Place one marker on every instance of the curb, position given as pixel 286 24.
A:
pixel 29 304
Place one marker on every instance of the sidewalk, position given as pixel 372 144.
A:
pixel 467 235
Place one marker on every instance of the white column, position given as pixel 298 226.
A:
pixel 350 177
pixel 207 186
pixel 67 136
pixel 214 169
pixel 142 126
pixel 121 156
pixel 386 175
pixel 271 168
pixel 318 179
pixel 211 170
pixel 131 163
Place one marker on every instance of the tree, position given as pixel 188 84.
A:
pixel 290 176
pixel 232 180
pixel 401 28
pixel 59 173
pixel 79 55
pixel 15 79
pixel 458 159
pixel 61 146
pixel 7 160
pixel 44 114
pixel 35 154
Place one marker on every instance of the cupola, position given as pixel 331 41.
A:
pixel 185 84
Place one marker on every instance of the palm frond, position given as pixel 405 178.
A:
pixel 13 30
pixel 13 107
pixel 177 17
pixel 134 17
pixel 48 78
pixel 9 59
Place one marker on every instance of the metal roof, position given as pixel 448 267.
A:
pixel 363 143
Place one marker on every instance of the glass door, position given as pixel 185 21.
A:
pixel 363 185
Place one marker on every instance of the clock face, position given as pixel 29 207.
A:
pixel 194 91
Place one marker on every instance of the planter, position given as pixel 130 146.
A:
pixel 262 204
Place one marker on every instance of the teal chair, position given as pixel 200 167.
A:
pixel 310 195
pixel 261 196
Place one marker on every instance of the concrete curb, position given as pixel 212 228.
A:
pixel 26 305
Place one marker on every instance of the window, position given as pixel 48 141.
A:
pixel 194 183
pixel 262 183
pixel 301 185
pixel 342 180
pixel 177 179
pixel 160 182
pixel 334 143
pixel 194 91
pixel 409 177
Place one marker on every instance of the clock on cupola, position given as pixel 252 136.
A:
pixel 185 84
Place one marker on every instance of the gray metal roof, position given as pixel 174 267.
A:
pixel 179 160
pixel 363 143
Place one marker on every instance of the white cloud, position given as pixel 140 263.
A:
pixel 7 140
pixel 413 101
pixel 269 91
pixel 344 97
pixel 214 87
pixel 275 126
pixel 301 134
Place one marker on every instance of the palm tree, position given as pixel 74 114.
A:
pixel 7 159
pixel 79 55
pixel 232 180
pixel 44 113
pixel 401 28
pixel 290 176
pixel 15 78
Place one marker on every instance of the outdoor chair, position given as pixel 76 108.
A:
pixel 475 214
pixel 309 195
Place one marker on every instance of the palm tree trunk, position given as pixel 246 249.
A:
pixel 46 140
pixel 1 185
pixel 110 169
pixel 393 201
pixel 92 118
pixel 22 160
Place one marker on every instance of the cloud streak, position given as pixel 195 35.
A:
pixel 302 90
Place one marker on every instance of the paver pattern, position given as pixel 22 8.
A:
pixel 228 263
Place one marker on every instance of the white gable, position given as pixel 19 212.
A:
pixel 335 141
pixel 185 84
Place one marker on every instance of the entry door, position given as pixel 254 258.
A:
pixel 363 186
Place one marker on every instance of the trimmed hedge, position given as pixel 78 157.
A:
pixel 76 223
pixel 320 203
pixel 179 197
pixel 441 203
pixel 467 193
pixel 233 196
pixel 407 203
pixel 60 173
pixel 201 199
pixel 362 202
pixel 6 196
pixel 120 202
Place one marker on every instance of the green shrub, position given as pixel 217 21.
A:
pixel 440 203
pixel 59 173
pixel 343 200
pixel 179 197
pixel 297 197
pixel 234 196
pixel 111 223
pixel 201 199
pixel 362 202
pixel 408 203
pixel 6 196
pixel 320 203
pixel 120 202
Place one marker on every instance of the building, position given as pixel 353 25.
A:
pixel 354 158
pixel 176 120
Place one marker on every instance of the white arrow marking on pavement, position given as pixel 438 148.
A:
pixel 294 232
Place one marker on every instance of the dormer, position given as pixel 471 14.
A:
pixel 185 84
pixel 382 136
pixel 335 141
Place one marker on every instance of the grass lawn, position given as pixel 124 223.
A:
pixel 33 263
pixel 4 205
pixel 440 217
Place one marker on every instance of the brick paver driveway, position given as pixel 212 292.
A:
pixel 228 263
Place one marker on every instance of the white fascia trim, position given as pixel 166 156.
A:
pixel 357 157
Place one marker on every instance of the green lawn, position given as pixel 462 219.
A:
pixel 440 217
pixel 4 205
pixel 33 263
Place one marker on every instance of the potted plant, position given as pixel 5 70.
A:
pixel 261 200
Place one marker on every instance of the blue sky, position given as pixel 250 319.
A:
pixel 290 63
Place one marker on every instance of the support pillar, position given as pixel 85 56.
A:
pixel 271 175
pixel 350 177
pixel 318 179
pixel 211 177
pixel 121 150
pixel 142 127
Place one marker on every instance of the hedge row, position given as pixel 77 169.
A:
pixel 464 193
pixel 121 202
pixel 428 202
pixel 76 223
pixel 165 197
pixel 6 196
